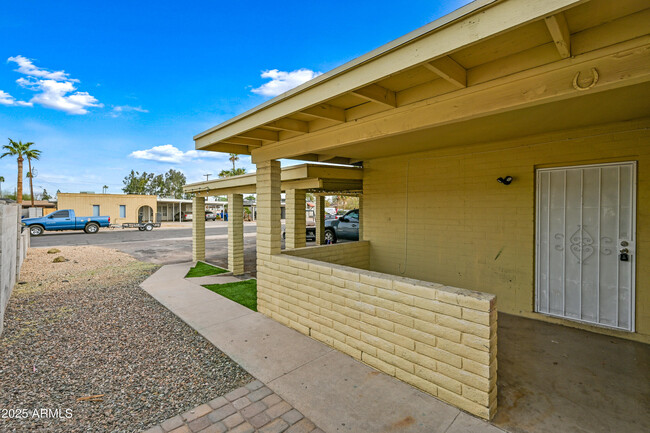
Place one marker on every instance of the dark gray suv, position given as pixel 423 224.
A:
pixel 345 227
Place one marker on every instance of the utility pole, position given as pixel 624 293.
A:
pixel 207 176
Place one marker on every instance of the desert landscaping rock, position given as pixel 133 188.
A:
pixel 84 328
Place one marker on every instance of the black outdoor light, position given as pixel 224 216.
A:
pixel 505 180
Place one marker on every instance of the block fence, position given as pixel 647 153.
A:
pixel 13 249
pixel 439 339
pixel 354 254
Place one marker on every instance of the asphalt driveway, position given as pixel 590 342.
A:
pixel 161 245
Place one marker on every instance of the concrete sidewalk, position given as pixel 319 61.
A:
pixel 338 393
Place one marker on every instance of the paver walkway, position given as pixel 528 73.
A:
pixel 251 408
pixel 334 391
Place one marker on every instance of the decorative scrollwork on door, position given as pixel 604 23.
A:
pixel 582 244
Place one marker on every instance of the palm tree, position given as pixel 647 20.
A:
pixel 104 188
pixel 2 179
pixel 18 150
pixel 233 158
pixel 31 154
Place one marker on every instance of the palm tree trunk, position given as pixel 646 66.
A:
pixel 31 180
pixel 19 186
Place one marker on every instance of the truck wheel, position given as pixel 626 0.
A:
pixel 35 230
pixel 148 227
pixel 91 228
pixel 141 228
pixel 330 236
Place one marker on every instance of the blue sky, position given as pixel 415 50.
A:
pixel 103 88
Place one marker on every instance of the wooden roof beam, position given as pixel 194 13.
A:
pixel 378 94
pixel 292 125
pixel 559 30
pixel 450 70
pixel 326 111
pixel 228 147
pixel 497 96
pixel 333 159
pixel 261 134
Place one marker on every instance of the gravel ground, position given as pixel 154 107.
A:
pixel 84 327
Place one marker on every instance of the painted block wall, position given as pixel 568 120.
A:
pixel 440 339
pixel 109 204
pixel 354 254
pixel 13 249
pixel 453 223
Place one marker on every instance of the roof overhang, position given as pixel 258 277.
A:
pixel 488 58
pixel 317 178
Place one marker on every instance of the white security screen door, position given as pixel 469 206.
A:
pixel 586 243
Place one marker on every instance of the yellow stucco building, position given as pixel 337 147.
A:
pixel 512 140
pixel 122 208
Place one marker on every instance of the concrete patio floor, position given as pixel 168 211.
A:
pixel 558 379
pixel 551 378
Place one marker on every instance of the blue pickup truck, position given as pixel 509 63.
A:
pixel 65 220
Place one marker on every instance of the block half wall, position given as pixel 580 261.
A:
pixel 440 339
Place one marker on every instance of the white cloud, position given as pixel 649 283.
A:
pixel 282 81
pixel 54 90
pixel 7 99
pixel 26 67
pixel 172 154
pixel 59 95
pixel 119 109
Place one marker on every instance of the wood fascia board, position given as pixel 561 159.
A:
pixel 378 94
pixel 294 172
pixel 450 70
pixel 619 65
pixel 301 184
pixel 249 189
pixel 333 172
pixel 342 185
pixel 226 182
pixel 559 30
pixel 491 20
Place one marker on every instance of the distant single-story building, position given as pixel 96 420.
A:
pixel 513 140
pixel 125 208
pixel 122 208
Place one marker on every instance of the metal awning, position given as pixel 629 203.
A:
pixel 317 178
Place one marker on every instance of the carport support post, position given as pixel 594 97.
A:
pixel 320 219
pixel 236 234
pixel 361 217
pixel 269 227
pixel 295 224
pixel 198 228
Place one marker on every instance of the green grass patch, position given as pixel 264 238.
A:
pixel 242 292
pixel 203 269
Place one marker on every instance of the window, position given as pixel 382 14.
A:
pixel 122 211
pixel 353 215
pixel 61 214
pixel 95 210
